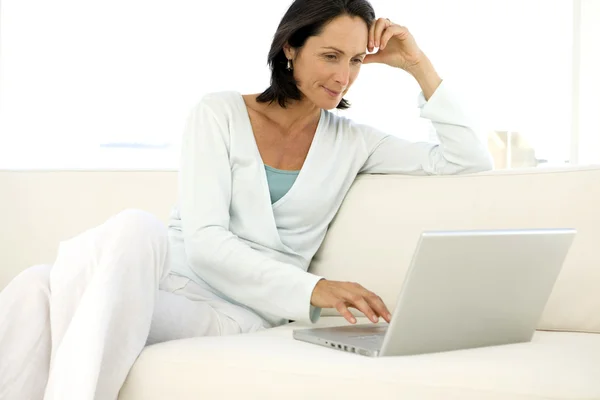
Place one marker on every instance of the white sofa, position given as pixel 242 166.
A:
pixel 371 242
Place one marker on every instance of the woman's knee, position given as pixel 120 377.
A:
pixel 135 230
pixel 135 225
pixel 33 280
pixel 36 276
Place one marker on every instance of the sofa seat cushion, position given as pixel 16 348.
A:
pixel 271 364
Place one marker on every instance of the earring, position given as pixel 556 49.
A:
pixel 289 65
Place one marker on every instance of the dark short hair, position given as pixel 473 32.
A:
pixel 305 18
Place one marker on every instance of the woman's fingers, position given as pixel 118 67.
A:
pixel 360 303
pixel 389 33
pixel 379 306
pixel 380 26
pixel 366 302
pixel 371 45
pixel 343 310
pixel 343 295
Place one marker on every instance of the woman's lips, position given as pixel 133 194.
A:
pixel 331 92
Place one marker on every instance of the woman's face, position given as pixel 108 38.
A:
pixel 327 65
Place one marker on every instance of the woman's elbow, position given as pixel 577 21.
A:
pixel 482 163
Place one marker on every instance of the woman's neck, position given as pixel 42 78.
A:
pixel 296 116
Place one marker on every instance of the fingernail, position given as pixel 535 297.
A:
pixel 371 43
pixel 353 320
pixel 389 316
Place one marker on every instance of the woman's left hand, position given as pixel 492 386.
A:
pixel 397 46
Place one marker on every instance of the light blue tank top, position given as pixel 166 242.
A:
pixel 280 182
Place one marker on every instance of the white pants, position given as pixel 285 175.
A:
pixel 72 331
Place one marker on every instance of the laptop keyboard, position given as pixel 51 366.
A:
pixel 372 335
pixel 369 338
pixel 366 330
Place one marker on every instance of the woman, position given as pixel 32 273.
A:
pixel 262 176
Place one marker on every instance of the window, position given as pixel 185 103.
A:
pixel 587 102
pixel 109 84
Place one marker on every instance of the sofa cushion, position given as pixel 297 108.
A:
pixel 374 235
pixel 272 365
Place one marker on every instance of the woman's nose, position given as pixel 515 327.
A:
pixel 342 76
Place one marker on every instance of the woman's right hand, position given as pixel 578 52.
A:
pixel 341 295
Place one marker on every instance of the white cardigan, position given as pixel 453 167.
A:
pixel 227 236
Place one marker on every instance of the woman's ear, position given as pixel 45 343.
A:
pixel 289 51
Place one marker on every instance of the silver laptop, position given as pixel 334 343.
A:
pixel 464 289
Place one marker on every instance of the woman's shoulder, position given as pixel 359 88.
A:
pixel 222 99
pixel 349 127
pixel 224 107
pixel 351 133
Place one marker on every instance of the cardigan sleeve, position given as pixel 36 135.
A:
pixel 461 148
pixel 218 256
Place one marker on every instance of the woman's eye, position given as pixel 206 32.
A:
pixel 334 57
